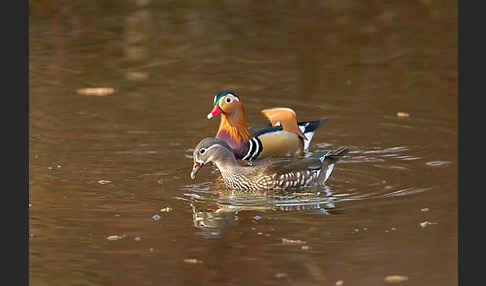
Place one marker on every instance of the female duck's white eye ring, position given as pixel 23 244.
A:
pixel 202 151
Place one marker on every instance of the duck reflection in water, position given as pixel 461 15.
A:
pixel 230 204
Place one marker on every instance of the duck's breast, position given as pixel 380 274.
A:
pixel 240 148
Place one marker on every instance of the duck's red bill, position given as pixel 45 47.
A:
pixel 195 169
pixel 216 110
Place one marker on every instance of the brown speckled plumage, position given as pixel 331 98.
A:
pixel 266 174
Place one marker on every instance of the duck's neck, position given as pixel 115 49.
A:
pixel 226 162
pixel 233 128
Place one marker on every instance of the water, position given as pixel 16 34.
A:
pixel 118 165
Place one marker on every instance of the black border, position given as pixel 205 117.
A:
pixel 471 65
pixel 15 139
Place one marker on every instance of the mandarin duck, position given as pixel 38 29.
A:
pixel 265 174
pixel 282 136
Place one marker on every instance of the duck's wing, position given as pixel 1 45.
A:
pixel 304 126
pixel 254 129
pixel 309 128
pixel 280 166
pixel 284 117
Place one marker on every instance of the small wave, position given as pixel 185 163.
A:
pixel 437 163
pixel 405 192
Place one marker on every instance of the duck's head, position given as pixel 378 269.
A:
pixel 225 102
pixel 208 150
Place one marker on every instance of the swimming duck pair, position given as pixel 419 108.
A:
pixel 283 136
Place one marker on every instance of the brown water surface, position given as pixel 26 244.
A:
pixel 356 62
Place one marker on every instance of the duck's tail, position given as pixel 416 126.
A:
pixel 328 159
pixel 309 128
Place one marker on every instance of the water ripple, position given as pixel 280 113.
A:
pixel 406 191
pixel 437 163
pixel 362 176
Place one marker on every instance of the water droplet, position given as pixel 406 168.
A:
pixel 437 163
pixel 281 275
pixel 192 260
pixel 395 278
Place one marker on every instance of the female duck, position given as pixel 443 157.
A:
pixel 283 137
pixel 266 174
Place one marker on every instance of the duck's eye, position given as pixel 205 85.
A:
pixel 229 100
pixel 202 151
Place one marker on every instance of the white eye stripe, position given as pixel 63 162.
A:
pixel 228 98
pixel 231 97
pixel 210 147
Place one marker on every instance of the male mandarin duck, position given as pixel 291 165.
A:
pixel 265 174
pixel 284 135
